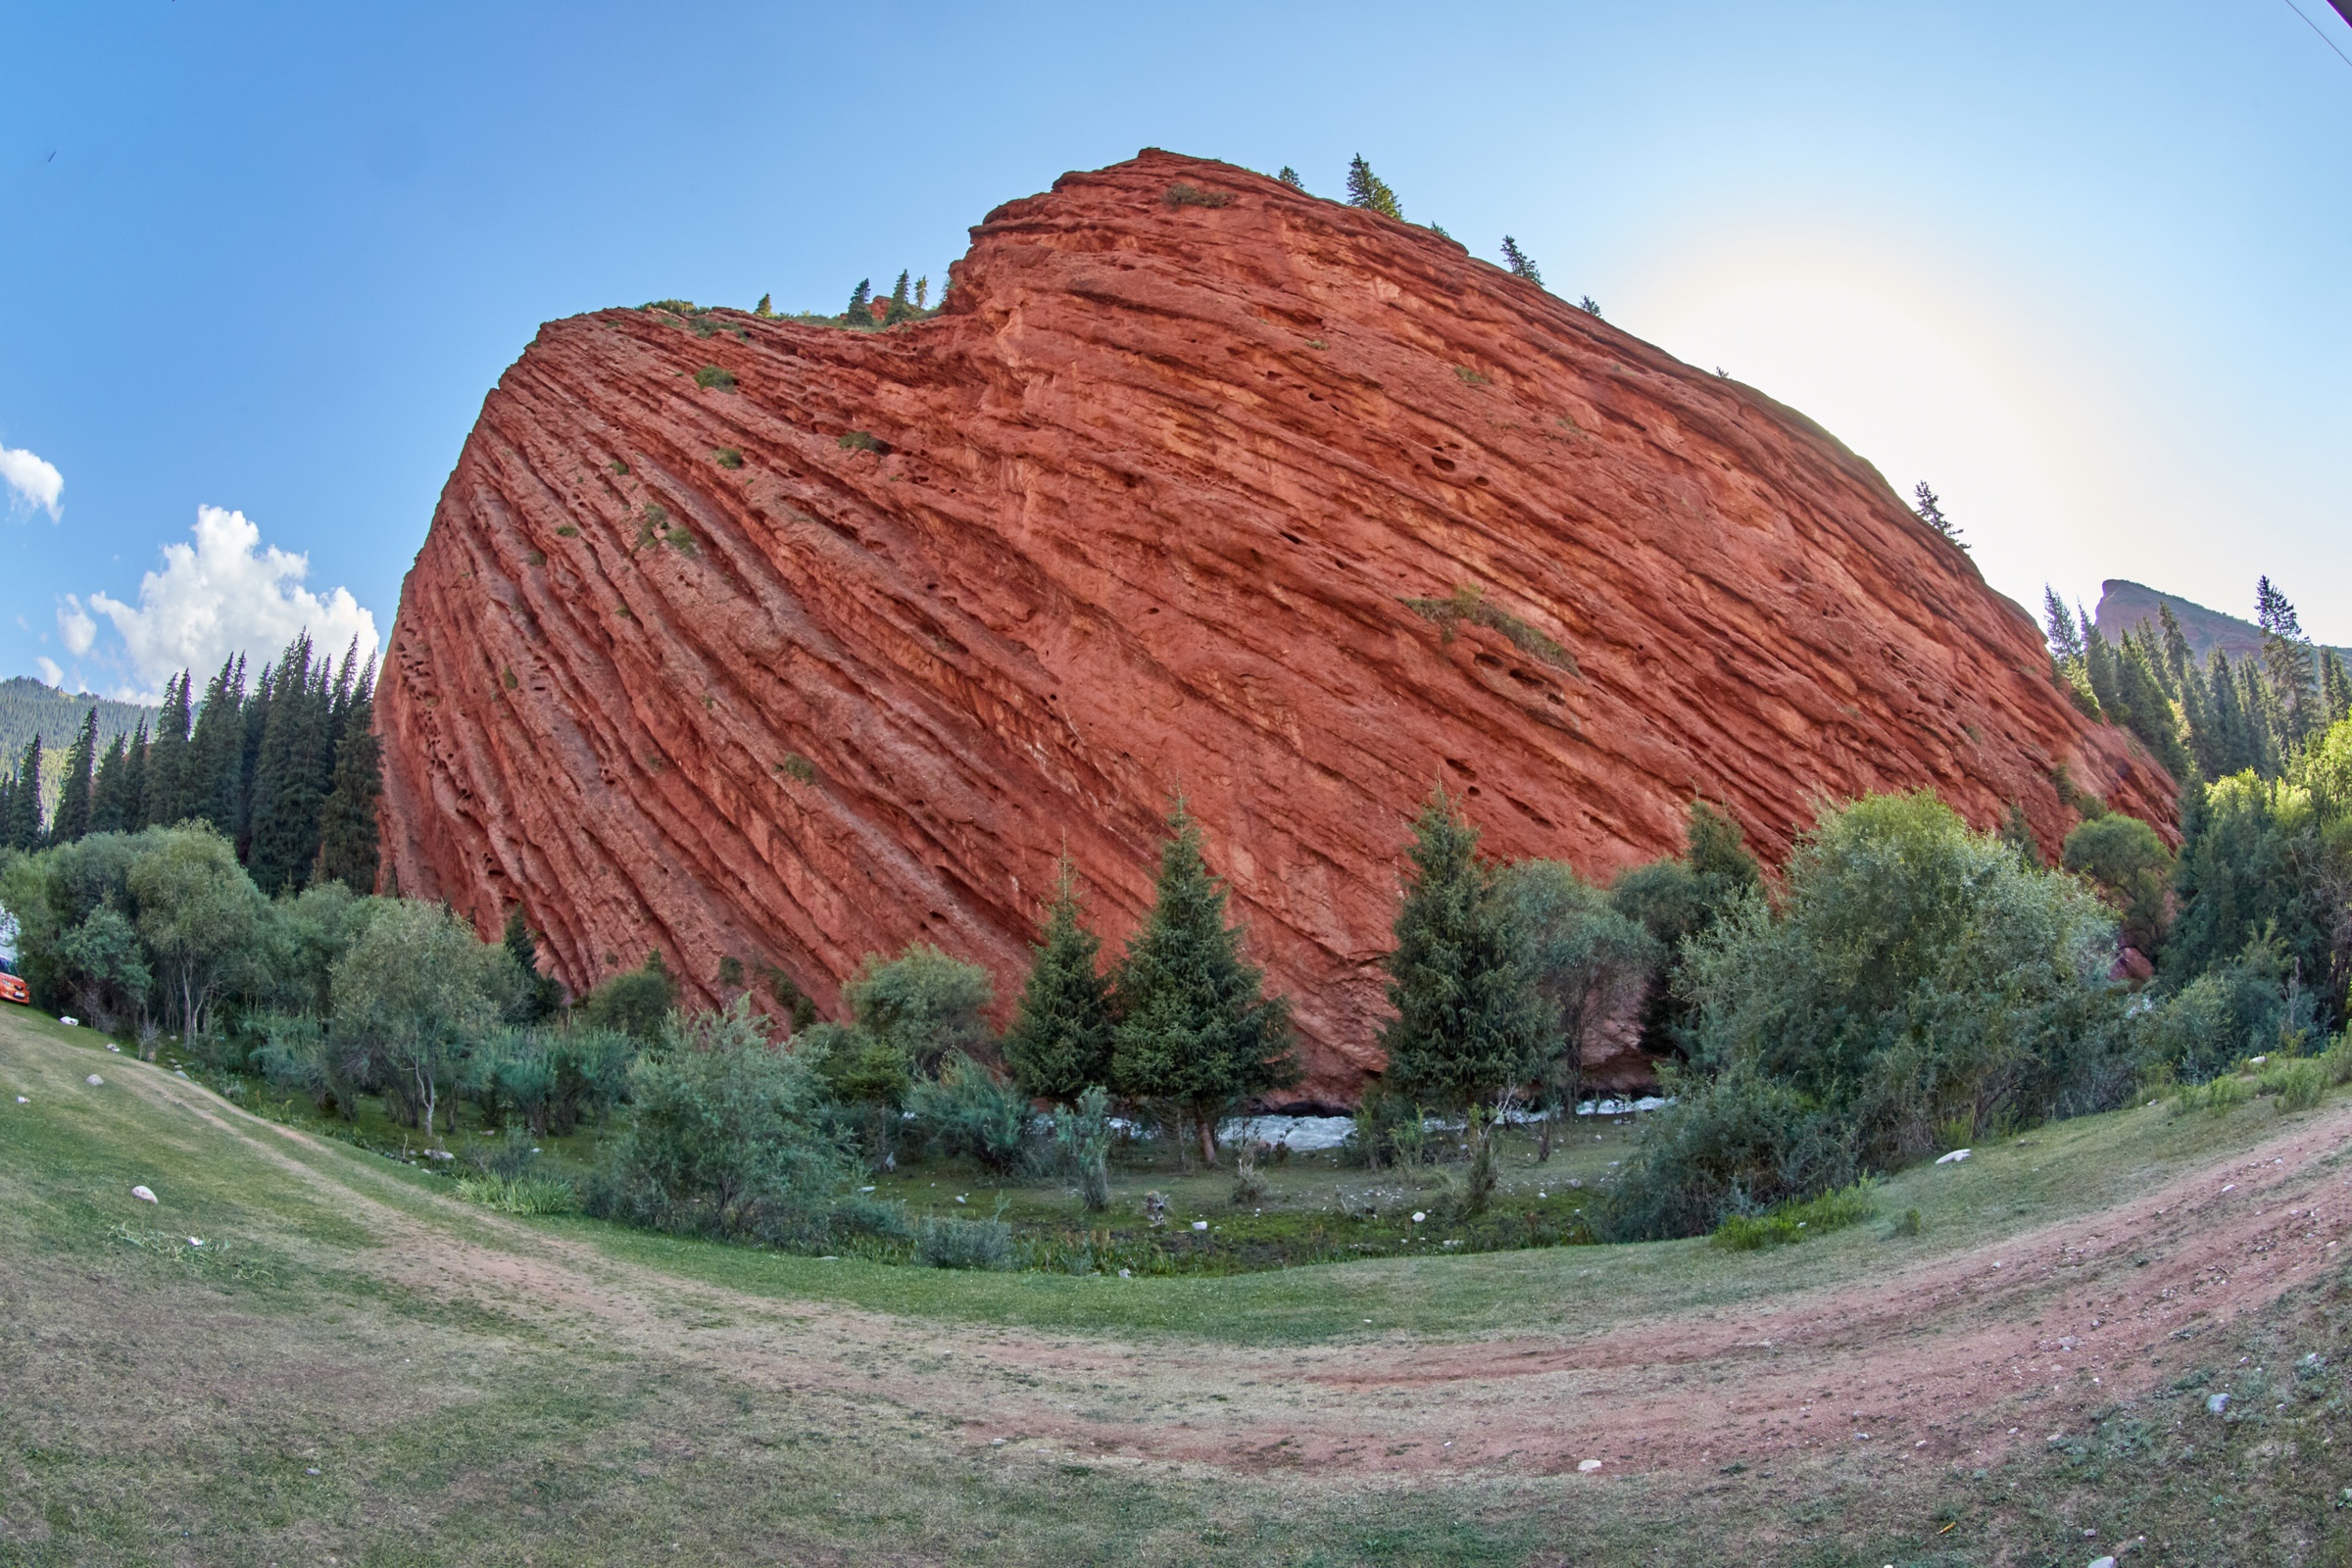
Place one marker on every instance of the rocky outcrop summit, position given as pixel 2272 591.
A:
pixel 742 638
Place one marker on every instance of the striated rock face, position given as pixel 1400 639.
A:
pixel 842 655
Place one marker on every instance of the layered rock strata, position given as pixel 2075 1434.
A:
pixel 738 638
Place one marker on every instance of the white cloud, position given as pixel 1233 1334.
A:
pixel 227 594
pixel 75 625
pixel 36 482
pixel 51 675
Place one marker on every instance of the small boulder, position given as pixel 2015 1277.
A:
pixel 142 1194
pixel 94 1081
pixel 2217 1405
pixel 1588 1466
pixel 1954 1157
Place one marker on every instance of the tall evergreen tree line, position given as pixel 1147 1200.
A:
pixel 285 767
pixel 2215 718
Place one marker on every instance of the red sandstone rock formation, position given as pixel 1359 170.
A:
pixel 840 656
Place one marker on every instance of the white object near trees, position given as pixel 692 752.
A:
pixel 1954 1157
pixel 142 1194
pixel 94 1081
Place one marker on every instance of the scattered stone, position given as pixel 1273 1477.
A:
pixel 1419 1216
pixel 2102 1562
pixel 310 1470
pixel 71 1023
pixel 2217 1405
pixel 22 1100
pixel 143 1195
pixel 1588 1466
pixel 1200 1224
pixel 1954 1157
pixel 94 1081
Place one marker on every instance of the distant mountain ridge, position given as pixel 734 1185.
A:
pixel 26 707
pixel 2123 604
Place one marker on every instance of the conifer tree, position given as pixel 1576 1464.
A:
pixel 1931 512
pixel 347 849
pixel 290 773
pixel 1059 1044
pixel 23 825
pixel 2066 638
pixel 1470 1023
pixel 1196 1032
pixel 166 798
pixel 107 792
pixel 766 306
pixel 134 780
pixel 2018 834
pixel 211 785
pixel 73 820
pixel 1520 263
pixel 2286 662
pixel 860 312
pixel 542 997
pixel 2147 711
pixel 2335 689
pixel 1290 176
pixel 1368 190
pixel 2099 663
pixel 900 308
pixel 2179 659
pixel 2231 744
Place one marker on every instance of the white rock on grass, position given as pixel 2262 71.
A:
pixel 94 1081
pixel 142 1194
pixel 1954 1157
pixel 2217 1405
pixel 1587 1467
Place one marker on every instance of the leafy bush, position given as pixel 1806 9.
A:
pixel 1790 1223
pixel 1469 603
pixel 2242 1007
pixel 551 1077
pixel 952 1243
pixel 636 1004
pixel 2299 1085
pixel 724 1139
pixel 863 441
pixel 927 1004
pixel 715 377
pixel 1082 1137
pixel 728 458
pixel 2221 1096
pixel 1183 195
pixel 414 991
pixel 966 1109
pixel 2129 863
pixel 519 1195
pixel 1916 971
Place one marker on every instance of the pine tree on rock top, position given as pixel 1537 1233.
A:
pixel 1059 1043
pixel 1470 1023
pixel 1368 190
pixel 1196 1034
pixel 1519 261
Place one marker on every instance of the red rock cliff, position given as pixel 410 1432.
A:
pixel 695 667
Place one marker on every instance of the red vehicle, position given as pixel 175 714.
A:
pixel 13 990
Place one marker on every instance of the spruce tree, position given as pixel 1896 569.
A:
pixel 292 774
pixel 134 780
pixel 1931 512
pixel 1368 190
pixel 900 308
pixel 542 997
pixel 74 799
pixel 1196 1033
pixel 348 849
pixel 2099 663
pixel 2149 712
pixel 2066 639
pixel 164 800
pixel 107 792
pixel 2286 662
pixel 2335 689
pixel 1470 1023
pixel 2179 659
pixel 1520 263
pixel 2018 834
pixel 212 784
pixel 766 306
pixel 2232 744
pixel 1059 1044
pixel 861 310
pixel 1290 176
pixel 923 292
pixel 23 825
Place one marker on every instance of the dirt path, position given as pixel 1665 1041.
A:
pixel 1951 1357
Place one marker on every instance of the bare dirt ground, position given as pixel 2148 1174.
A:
pixel 1959 1355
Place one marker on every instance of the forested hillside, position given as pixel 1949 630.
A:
pixel 285 768
pixel 28 709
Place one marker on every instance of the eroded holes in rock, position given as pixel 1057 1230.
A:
pixel 1461 768
pixel 1292 537
pixel 1444 465
pixel 1315 397
pixel 1480 480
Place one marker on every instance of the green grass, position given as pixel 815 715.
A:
pixel 166 1403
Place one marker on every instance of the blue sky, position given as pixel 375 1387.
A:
pixel 2080 267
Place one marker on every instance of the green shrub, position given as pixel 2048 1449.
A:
pixel 1790 1223
pixel 1082 1135
pixel 636 1004
pixel 1469 603
pixel 715 377
pixel 519 1195
pixel 725 1140
pixel 2337 1061
pixel 1909 1225
pixel 966 1109
pixel 568 531
pixel 549 1077
pixel 863 441
pixel 728 458
pixel 1915 971
pixel 2238 1008
pixel 2299 1085
pixel 2220 1096
pixel 950 1243
pixel 1183 195
pixel 798 767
